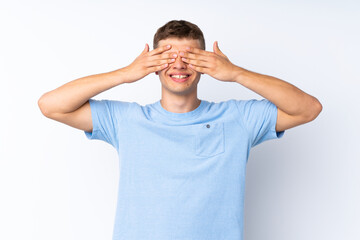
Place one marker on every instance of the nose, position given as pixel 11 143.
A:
pixel 179 64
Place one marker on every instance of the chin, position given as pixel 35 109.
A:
pixel 179 88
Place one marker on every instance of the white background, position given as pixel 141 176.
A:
pixel 56 184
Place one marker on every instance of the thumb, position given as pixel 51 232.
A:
pixel 217 49
pixel 146 49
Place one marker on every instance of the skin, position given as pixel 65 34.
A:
pixel 295 107
pixel 69 103
pixel 179 97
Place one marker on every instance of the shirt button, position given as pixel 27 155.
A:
pixel 207 125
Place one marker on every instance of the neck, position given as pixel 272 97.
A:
pixel 179 103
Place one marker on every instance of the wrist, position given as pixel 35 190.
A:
pixel 119 75
pixel 239 75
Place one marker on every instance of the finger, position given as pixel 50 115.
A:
pixel 163 56
pixel 199 69
pixel 158 68
pixel 160 50
pixel 198 63
pixel 197 50
pixel 159 62
pixel 146 49
pixel 194 56
pixel 217 49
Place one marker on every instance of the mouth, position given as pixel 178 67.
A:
pixel 177 77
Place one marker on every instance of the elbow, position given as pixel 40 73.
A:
pixel 42 106
pixel 313 110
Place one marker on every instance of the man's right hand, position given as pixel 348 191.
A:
pixel 148 62
pixel 65 104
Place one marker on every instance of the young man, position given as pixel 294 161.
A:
pixel 183 159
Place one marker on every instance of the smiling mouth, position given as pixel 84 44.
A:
pixel 180 77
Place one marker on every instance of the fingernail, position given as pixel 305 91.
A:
pixel 175 55
pixel 187 48
pixel 181 54
pixel 168 46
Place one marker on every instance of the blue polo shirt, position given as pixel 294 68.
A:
pixel 182 175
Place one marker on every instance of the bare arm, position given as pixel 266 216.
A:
pixel 69 103
pixel 295 107
pixel 72 95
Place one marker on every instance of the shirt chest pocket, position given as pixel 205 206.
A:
pixel 209 139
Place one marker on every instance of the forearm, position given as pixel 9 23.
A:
pixel 72 95
pixel 284 95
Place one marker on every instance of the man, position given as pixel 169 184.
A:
pixel 183 159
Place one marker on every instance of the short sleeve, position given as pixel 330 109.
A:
pixel 106 116
pixel 259 118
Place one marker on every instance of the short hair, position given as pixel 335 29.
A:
pixel 179 29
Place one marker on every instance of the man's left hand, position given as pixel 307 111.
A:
pixel 215 64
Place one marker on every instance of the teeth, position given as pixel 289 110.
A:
pixel 179 76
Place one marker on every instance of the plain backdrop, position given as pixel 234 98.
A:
pixel 56 184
